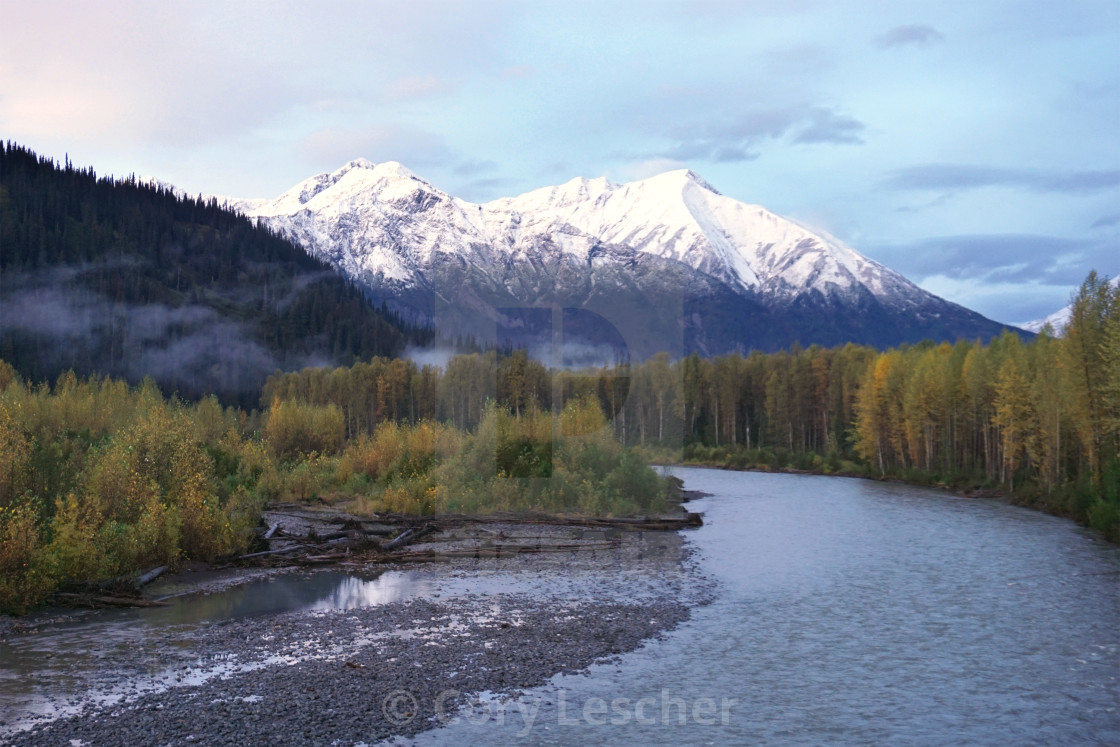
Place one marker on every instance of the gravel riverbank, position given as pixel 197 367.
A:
pixel 361 675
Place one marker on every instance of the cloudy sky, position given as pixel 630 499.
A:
pixel 972 145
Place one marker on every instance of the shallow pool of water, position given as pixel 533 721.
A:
pixel 322 590
pixel 59 657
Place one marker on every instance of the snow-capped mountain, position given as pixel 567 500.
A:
pixel 1060 318
pixel 664 260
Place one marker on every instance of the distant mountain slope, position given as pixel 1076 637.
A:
pixel 1060 318
pixel 668 261
pixel 127 279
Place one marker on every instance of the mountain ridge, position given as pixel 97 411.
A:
pixel 681 242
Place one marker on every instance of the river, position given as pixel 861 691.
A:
pixel 842 611
pixel 855 612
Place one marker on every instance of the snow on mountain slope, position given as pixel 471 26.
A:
pixel 1060 318
pixel 380 223
pixel 678 216
pixel 659 259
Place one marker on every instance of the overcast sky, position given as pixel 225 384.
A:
pixel 973 146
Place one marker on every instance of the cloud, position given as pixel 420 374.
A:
pixel 1011 303
pixel 471 168
pixel 943 176
pixel 826 126
pixel 911 34
pixel 72 328
pixel 737 139
pixel 433 356
pixel 732 154
pixel 147 74
pixel 51 312
pixel 938 201
pixel 157 74
pixel 998 258
pixel 1107 221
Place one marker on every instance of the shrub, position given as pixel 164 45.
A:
pixel 73 550
pixel 635 482
pixel 15 451
pixel 398 450
pixel 1105 516
pixel 296 429
pixel 24 578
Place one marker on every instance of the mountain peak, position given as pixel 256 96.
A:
pixel 591 238
pixel 358 163
pixel 356 179
pixel 681 177
pixel 383 170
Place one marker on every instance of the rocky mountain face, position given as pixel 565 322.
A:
pixel 665 263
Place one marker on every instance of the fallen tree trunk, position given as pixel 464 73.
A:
pixel 350 533
pixel 150 576
pixel 321 559
pixel 659 523
pixel 92 600
pixel 285 550
pixel 407 536
pixel 262 553
pixel 403 539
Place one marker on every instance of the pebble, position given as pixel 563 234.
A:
pixel 365 675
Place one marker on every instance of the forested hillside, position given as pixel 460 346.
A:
pixel 123 278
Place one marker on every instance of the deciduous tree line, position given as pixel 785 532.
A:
pixel 1041 418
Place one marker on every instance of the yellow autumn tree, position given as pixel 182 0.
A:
pixel 1014 418
pixel 873 416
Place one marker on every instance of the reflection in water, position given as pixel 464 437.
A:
pixel 325 590
pixel 352 592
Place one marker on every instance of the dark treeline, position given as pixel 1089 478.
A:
pixel 1038 419
pixel 120 277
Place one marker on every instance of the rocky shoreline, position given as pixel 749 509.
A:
pixel 492 624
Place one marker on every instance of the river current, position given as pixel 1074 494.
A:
pixel 855 612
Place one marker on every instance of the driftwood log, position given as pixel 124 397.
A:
pixel 316 548
pixel 407 536
pixel 150 576
pixel 385 522
pixel 95 600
